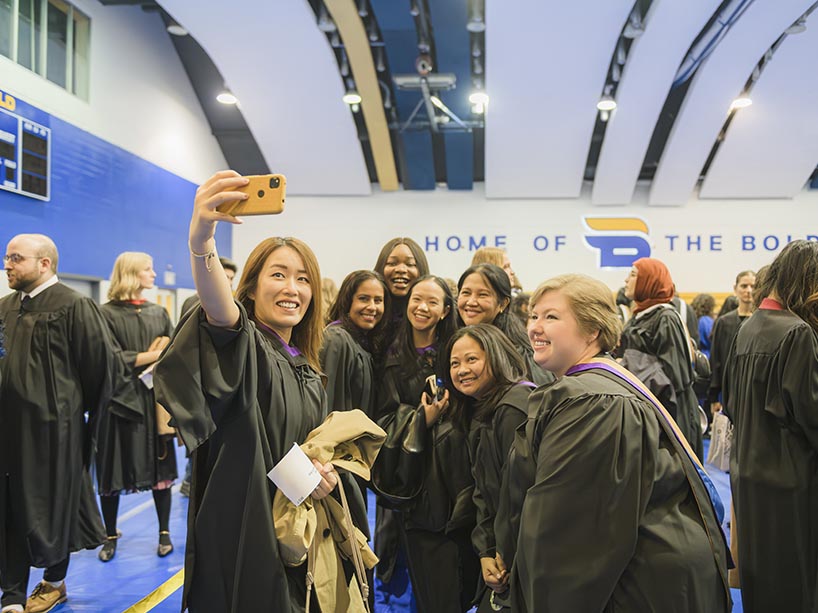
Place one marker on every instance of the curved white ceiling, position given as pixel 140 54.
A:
pixel 778 133
pixel 282 69
pixel 670 27
pixel 546 63
pixel 716 83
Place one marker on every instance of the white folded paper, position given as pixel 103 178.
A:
pixel 146 376
pixel 295 475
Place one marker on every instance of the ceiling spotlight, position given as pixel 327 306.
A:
pixel 477 21
pixel 606 103
pixel 227 98
pixel 352 97
pixel 380 65
pixel 344 68
pixel 175 29
pixel 363 11
pixel 799 26
pixel 373 31
pixel 633 29
pixel 325 22
pixel 414 9
pixel 479 98
pixel 742 102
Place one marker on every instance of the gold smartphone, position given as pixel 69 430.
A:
pixel 266 197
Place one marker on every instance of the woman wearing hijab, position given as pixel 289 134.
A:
pixel 655 346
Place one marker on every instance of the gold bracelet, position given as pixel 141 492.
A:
pixel 208 256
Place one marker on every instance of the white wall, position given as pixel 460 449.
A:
pixel 347 233
pixel 140 97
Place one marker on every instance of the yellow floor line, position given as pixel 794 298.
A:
pixel 158 595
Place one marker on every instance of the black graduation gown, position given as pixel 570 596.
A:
pixel 349 371
pixel 771 395
pixel 239 401
pixel 657 335
pixel 437 523
pixel 189 304
pixel 724 332
pixel 58 365
pixel 130 455
pixel 489 446
pixel 396 385
pixel 609 520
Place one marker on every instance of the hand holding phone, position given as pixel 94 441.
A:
pixel 266 194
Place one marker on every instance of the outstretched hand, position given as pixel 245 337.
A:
pixel 217 190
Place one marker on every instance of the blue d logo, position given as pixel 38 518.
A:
pixel 620 241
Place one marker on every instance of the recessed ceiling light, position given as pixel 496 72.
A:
pixel 479 98
pixel 227 98
pixel 606 103
pixel 742 102
pixel 352 97
pixel 175 29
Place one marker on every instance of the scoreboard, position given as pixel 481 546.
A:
pixel 25 148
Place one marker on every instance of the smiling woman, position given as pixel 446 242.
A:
pixel 241 381
pixel 489 402
pixel 598 439
pixel 354 333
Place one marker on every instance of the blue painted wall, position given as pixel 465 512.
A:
pixel 105 200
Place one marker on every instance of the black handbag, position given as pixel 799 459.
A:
pixel 701 374
pixel 397 475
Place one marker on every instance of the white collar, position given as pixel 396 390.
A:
pixel 42 287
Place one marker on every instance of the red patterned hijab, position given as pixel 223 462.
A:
pixel 653 284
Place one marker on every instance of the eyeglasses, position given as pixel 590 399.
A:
pixel 16 258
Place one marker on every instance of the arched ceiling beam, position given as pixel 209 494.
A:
pixel 778 133
pixel 670 28
pixel 545 75
pixel 715 85
pixel 282 69
pixel 356 42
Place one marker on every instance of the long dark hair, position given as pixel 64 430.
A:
pixel 497 279
pixel 339 311
pixel 404 344
pixel 417 253
pixel 793 279
pixel 505 367
pixel 307 334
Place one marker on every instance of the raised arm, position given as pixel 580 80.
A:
pixel 211 283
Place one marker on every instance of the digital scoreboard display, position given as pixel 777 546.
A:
pixel 25 147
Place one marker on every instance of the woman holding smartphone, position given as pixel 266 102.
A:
pixel 436 523
pixel 484 297
pixel 241 381
pixel 132 455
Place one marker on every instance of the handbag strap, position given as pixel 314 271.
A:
pixel 357 558
pixel 665 420
pixel 311 557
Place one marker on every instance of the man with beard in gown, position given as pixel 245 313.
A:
pixel 771 394
pixel 57 362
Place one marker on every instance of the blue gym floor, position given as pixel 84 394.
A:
pixel 136 570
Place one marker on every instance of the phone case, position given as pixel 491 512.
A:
pixel 266 192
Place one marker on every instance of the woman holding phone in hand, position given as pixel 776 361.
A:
pixel 433 528
pixel 241 381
